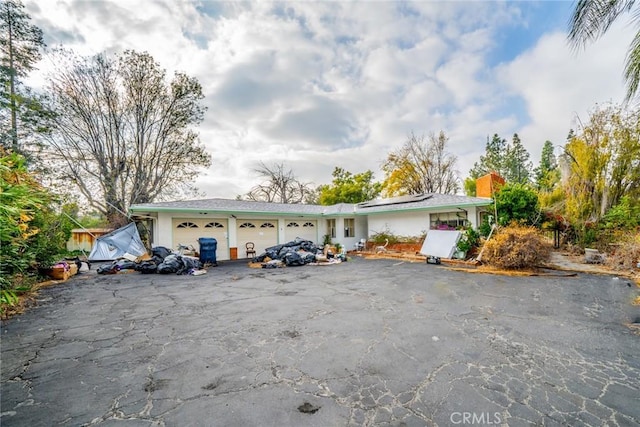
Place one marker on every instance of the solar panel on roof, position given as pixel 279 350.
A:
pixel 412 198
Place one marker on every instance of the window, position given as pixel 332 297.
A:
pixel 308 224
pixel 448 220
pixel 214 225
pixel 293 224
pixel 247 225
pixel 267 225
pixel 187 225
pixel 331 228
pixel 349 227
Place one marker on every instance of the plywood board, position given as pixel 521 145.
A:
pixel 441 243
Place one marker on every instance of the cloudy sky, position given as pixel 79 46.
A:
pixel 317 85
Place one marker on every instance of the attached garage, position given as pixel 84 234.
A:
pixel 305 229
pixel 187 231
pixel 263 233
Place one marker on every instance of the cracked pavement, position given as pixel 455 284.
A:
pixel 362 343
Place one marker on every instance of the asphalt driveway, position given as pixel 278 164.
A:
pixel 367 342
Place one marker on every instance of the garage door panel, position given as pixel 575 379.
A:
pixel 187 231
pixel 263 233
pixel 304 229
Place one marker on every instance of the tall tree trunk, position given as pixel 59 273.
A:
pixel 12 89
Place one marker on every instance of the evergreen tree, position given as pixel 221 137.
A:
pixel 547 173
pixel 517 166
pixel 20 44
pixel 493 160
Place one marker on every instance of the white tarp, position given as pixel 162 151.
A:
pixel 125 240
pixel 441 243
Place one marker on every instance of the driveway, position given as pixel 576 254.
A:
pixel 367 342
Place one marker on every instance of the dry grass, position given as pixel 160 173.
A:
pixel 517 247
pixel 626 255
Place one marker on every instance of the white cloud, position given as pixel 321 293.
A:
pixel 558 85
pixel 322 84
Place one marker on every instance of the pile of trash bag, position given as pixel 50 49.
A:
pixel 162 261
pixel 294 253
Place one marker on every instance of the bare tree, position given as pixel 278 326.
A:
pixel 421 167
pixel 279 186
pixel 122 133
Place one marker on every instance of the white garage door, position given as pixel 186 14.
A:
pixel 263 233
pixel 187 231
pixel 304 229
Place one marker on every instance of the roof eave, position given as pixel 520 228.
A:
pixel 217 211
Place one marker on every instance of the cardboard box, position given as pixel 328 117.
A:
pixel 62 271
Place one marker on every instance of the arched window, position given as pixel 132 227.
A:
pixel 293 224
pixel 187 224
pixel 214 225
pixel 308 224
pixel 267 225
pixel 247 225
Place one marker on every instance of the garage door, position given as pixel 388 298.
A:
pixel 187 231
pixel 304 229
pixel 263 233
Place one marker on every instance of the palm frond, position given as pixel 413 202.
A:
pixel 592 18
pixel 632 68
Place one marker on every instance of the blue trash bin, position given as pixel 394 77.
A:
pixel 208 247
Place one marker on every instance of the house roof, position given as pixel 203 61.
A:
pixel 229 205
pixel 403 203
pixel 428 201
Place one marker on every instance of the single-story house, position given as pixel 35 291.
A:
pixel 233 223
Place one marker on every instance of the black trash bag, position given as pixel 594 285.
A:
pixel 171 264
pixel 308 246
pixel 160 252
pixel 147 267
pixel 273 251
pixel 292 259
pixel 295 242
pixel 189 264
pixel 307 257
pixel 108 268
pixel 158 260
pixel 260 258
pixel 125 264
pixel 285 250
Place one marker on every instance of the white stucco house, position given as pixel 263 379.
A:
pixel 233 223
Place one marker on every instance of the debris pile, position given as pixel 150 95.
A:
pixel 296 253
pixel 162 261
pixel 517 247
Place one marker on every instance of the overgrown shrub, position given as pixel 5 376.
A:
pixel 31 232
pixel 516 247
pixel 380 237
pixel 626 255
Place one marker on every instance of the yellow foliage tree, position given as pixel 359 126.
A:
pixel 602 163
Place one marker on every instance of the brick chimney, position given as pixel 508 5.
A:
pixel 488 184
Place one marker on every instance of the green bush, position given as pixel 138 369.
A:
pixel 517 202
pixel 469 240
pixel 32 233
